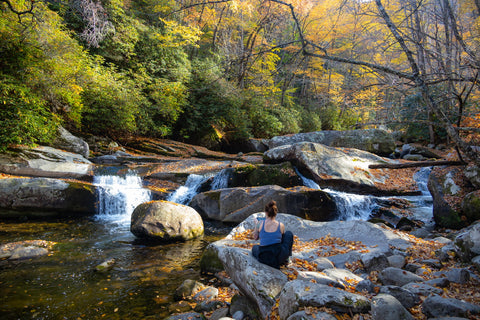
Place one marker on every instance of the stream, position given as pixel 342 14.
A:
pixel 64 285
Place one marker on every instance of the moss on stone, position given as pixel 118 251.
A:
pixel 209 262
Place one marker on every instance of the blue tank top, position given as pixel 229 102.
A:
pixel 268 238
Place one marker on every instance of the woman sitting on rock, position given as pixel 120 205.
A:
pixel 275 243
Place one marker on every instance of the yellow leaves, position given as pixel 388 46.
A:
pixel 255 272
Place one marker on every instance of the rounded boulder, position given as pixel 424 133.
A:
pixel 166 221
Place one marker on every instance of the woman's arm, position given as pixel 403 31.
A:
pixel 282 228
pixel 256 230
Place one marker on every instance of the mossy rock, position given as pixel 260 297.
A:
pixel 282 174
pixel 209 262
pixel 471 206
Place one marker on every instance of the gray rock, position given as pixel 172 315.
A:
pixel 163 220
pixel 105 265
pixel 187 316
pixel 219 313
pixel 243 304
pixel 468 242
pixel 476 262
pixel 236 204
pixel 441 185
pixel 299 293
pixel 320 278
pixel 29 252
pixel 407 298
pixel 66 141
pixel 374 261
pixel 302 315
pixel 323 263
pixel 45 162
pixel 372 140
pixel 365 285
pixel 456 275
pixel 472 172
pixel 342 276
pixel 386 307
pixel 238 315
pixel 397 277
pixel 436 306
pixel 45 197
pixel 396 261
pixel 438 282
pixel 206 294
pixel 422 289
pixel 188 289
pixel 344 170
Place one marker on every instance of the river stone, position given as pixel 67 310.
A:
pixel 386 307
pixel 342 169
pixel 45 162
pixel 456 275
pixel 299 293
pixel 163 220
pixel 422 289
pixel 187 316
pixel 374 261
pixel 397 277
pixel 303 315
pixel 436 306
pixel 42 197
pixel 28 252
pixel 472 172
pixel 376 141
pixel 187 289
pixel 320 278
pixel 236 204
pixel 67 141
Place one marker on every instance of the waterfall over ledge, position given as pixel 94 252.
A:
pixel 118 195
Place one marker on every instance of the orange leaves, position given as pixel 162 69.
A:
pixel 329 246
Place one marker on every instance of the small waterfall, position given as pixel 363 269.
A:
pixel 422 204
pixel 194 182
pixel 349 206
pixel 118 195
pixel 185 193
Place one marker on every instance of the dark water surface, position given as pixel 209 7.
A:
pixel 64 284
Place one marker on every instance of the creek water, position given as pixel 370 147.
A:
pixel 65 285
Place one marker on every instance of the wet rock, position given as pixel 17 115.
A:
pixel 386 307
pixel 436 306
pixel 187 289
pixel 398 277
pixel 29 252
pixel 166 221
pixel 241 303
pixel 45 197
pixel 105 266
pixel 323 263
pixel 219 313
pixel 236 204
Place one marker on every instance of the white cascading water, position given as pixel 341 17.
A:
pixel 349 206
pixel 118 196
pixel 185 193
pixel 422 204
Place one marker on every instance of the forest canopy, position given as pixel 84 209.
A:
pixel 205 71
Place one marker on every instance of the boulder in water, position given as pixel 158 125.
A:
pixel 166 221
pixel 42 197
pixel 236 204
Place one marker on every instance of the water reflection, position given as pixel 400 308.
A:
pixel 64 285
